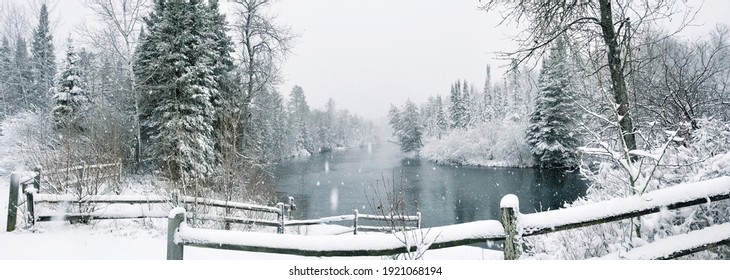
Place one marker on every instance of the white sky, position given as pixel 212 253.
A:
pixel 369 54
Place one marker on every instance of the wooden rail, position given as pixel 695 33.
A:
pixel 511 228
pixel 281 209
pixel 390 220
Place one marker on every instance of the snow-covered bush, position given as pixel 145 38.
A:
pixel 18 136
pixel 494 143
pixel 704 155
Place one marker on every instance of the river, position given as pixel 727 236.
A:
pixel 336 183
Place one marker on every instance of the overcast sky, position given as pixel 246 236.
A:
pixel 369 54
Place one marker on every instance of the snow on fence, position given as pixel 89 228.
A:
pixel 179 234
pixel 512 226
pixel 82 172
pixel 282 210
pixel 22 181
pixel 394 222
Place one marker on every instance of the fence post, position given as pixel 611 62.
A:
pixel 13 201
pixel 354 224
pixel 418 222
pixel 291 207
pixel 510 209
pixel 121 168
pixel 37 179
pixel 280 217
pixel 174 251
pixel 30 203
pixel 176 198
pixel 83 173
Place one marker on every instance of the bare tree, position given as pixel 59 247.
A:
pixel 121 22
pixel 605 25
pixel 263 46
pixel 688 81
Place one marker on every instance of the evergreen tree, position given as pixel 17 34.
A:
pixel 410 136
pixel 69 98
pixel 455 111
pixel 44 60
pixel 465 103
pixel 298 110
pixel 459 108
pixel 442 125
pixel 175 68
pixel 406 124
pixel 552 132
pixel 488 102
pixel 267 129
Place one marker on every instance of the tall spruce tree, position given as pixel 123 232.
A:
pixel 69 98
pixel 552 133
pixel 175 68
pixel 43 61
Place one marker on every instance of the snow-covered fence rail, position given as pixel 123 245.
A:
pixel 179 234
pixel 511 228
pixel 394 222
pixel 675 197
pixel 29 184
pixel 81 173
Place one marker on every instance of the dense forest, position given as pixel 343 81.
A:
pixel 178 89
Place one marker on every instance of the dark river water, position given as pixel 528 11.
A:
pixel 336 183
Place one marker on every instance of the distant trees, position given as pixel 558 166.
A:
pixel 406 124
pixel 300 123
pixel 502 106
pixel 27 72
pixel 553 133
pixel 458 109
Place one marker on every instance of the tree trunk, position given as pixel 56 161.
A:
pixel 618 83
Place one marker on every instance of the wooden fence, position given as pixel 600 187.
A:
pixel 511 228
pixel 281 210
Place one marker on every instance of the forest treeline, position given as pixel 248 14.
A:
pixel 181 89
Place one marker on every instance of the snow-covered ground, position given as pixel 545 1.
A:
pixel 145 240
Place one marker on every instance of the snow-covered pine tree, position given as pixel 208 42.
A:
pixel 552 133
pixel 299 114
pixel 70 100
pixel 174 68
pixel 411 130
pixel 43 61
pixel 407 128
pixel 465 103
pixel 456 109
pixel 442 124
pixel 488 98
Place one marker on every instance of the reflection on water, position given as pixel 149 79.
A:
pixel 339 182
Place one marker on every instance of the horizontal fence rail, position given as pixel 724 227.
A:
pixel 511 228
pixel 679 245
pixel 393 221
pixel 33 198
pixel 180 234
